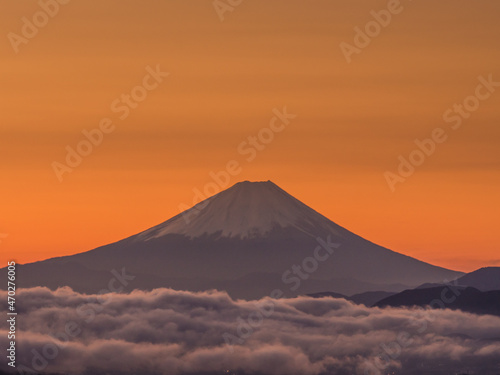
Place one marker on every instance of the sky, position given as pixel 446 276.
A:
pixel 230 70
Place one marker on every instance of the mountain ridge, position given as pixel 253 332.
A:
pixel 467 299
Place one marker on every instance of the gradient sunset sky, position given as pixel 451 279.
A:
pixel 226 76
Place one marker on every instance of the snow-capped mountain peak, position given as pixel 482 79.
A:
pixel 245 210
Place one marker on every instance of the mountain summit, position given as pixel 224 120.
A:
pixel 246 210
pixel 249 240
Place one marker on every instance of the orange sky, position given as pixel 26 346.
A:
pixel 354 119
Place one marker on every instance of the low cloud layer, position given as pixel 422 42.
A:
pixel 174 332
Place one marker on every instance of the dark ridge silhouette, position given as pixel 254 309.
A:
pixel 467 299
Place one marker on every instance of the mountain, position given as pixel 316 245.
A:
pixel 463 298
pixel 484 279
pixel 370 298
pixel 249 240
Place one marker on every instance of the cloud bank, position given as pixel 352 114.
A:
pixel 175 332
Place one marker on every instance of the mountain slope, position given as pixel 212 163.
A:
pixel 484 279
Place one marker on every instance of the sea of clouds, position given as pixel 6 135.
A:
pixel 176 332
